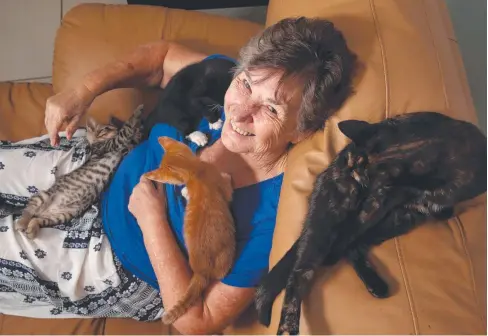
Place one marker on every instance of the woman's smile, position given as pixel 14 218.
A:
pixel 238 130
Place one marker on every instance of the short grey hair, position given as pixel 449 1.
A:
pixel 311 50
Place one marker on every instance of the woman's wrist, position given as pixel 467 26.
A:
pixel 101 80
pixel 152 223
pixel 85 94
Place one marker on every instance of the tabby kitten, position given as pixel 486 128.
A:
pixel 209 230
pixel 409 169
pixel 73 193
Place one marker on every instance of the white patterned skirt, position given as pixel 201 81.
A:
pixel 68 270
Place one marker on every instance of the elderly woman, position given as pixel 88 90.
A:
pixel 288 81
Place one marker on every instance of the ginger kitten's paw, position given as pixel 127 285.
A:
pixel 198 137
pixel 216 125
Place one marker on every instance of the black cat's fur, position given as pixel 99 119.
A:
pixel 394 176
pixel 194 92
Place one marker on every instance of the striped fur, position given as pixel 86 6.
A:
pixel 72 194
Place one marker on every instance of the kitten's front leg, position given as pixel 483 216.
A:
pixel 309 258
pixel 290 314
pixel 272 284
pixel 216 125
pixel 198 138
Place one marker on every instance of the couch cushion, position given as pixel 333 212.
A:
pixel 16 325
pixel 22 110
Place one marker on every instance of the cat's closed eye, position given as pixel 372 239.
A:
pixel 106 131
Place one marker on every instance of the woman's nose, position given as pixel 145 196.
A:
pixel 245 112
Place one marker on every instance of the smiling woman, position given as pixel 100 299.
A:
pixel 289 80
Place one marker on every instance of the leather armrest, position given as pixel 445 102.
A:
pixel 22 109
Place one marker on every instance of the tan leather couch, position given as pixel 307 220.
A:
pixel 410 61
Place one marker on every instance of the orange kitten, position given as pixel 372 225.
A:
pixel 209 230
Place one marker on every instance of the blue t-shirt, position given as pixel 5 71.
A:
pixel 254 209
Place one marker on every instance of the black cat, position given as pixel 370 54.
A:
pixel 194 92
pixel 394 176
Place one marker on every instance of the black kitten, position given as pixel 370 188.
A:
pixel 408 169
pixel 194 92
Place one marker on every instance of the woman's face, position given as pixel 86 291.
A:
pixel 258 118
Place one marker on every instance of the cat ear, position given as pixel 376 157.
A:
pixel 91 124
pixel 165 142
pixel 155 175
pixel 356 130
pixel 174 146
pixel 162 175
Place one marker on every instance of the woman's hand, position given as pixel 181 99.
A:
pixel 66 108
pixel 148 203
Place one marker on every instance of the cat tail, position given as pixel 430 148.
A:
pixel 197 285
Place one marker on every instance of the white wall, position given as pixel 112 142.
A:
pixel 469 20
pixel 28 29
pixel 27 32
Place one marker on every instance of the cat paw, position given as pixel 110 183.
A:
pixel 33 228
pixel 184 193
pixel 380 289
pixel 198 137
pixel 289 324
pixel 263 306
pixel 216 125
pixel 22 223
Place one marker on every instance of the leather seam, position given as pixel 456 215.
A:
pixel 441 73
pixel 104 326
pixel 383 59
pixel 166 26
pixel 459 225
pixel 408 290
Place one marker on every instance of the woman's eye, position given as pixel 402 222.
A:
pixel 246 84
pixel 272 109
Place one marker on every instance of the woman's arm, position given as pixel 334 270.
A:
pixel 151 64
pixel 221 303
pixel 148 65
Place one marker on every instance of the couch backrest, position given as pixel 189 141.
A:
pixel 92 35
pixel 410 62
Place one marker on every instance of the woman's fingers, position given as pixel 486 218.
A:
pixel 72 126
pixel 53 122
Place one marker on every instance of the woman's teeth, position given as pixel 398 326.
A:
pixel 238 130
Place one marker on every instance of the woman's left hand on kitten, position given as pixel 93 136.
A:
pixel 148 202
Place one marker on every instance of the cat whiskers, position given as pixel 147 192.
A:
pixel 215 107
